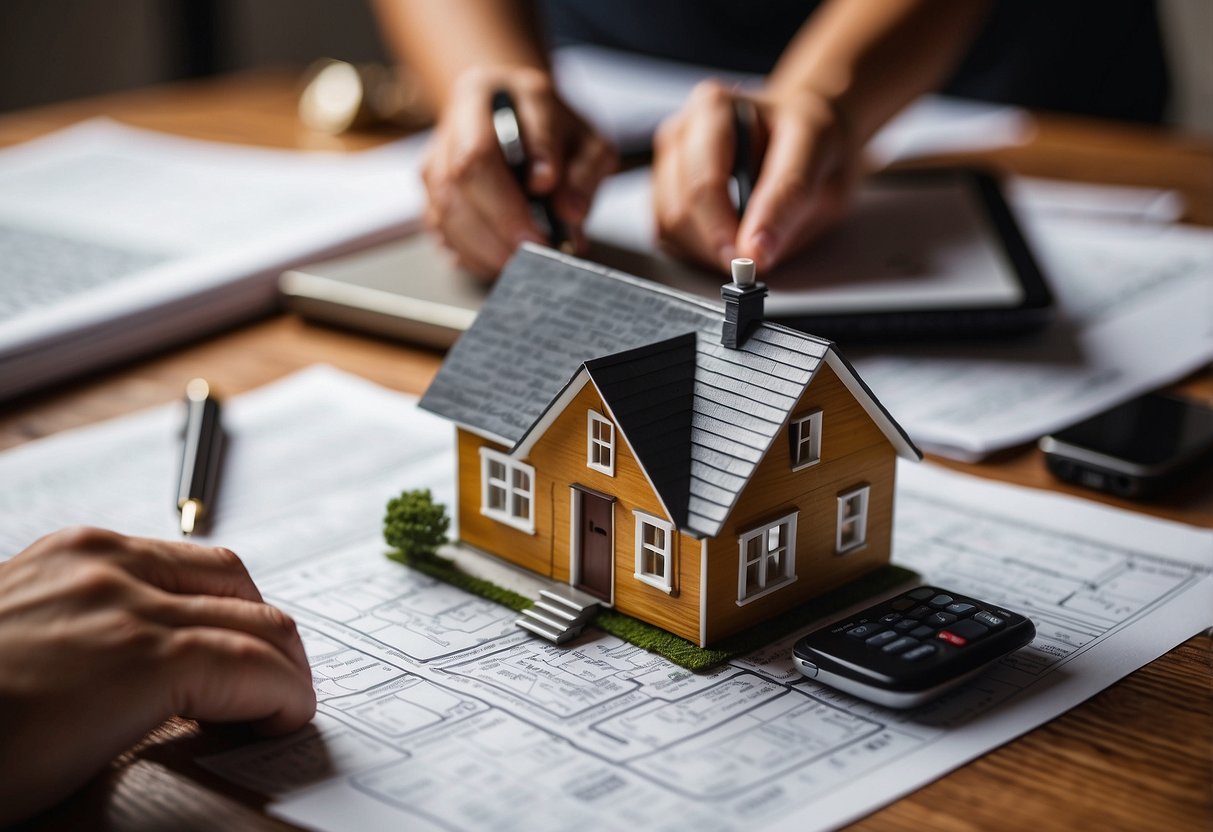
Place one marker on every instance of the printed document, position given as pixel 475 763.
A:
pixel 115 241
pixel 626 95
pixel 436 713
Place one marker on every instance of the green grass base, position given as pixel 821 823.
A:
pixel 685 654
pixel 446 570
pixel 675 648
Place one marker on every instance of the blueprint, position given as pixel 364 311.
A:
pixel 436 713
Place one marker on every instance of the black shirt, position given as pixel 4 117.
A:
pixel 1100 59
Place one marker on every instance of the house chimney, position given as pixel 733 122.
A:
pixel 742 304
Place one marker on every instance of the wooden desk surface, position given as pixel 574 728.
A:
pixel 1137 756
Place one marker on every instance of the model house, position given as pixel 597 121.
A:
pixel 688 463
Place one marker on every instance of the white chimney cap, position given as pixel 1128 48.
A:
pixel 743 271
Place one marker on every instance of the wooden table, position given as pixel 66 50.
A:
pixel 1137 756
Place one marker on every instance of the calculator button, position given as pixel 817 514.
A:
pixel 919 612
pixel 940 619
pixel 881 639
pixel 989 619
pixel 952 638
pixel 890 618
pixel 922 632
pixel 863 630
pixel 969 629
pixel 919 653
pixel 960 608
pixel 907 624
pixel 921 594
pixel 902 644
pixel 901 604
pixel 940 601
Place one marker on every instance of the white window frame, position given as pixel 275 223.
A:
pixel 863 493
pixel 510 516
pixel 766 583
pixel 799 440
pixel 595 418
pixel 664 582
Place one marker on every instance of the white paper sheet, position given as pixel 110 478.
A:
pixel 626 95
pixel 309 465
pixel 1136 312
pixel 114 240
pixel 436 713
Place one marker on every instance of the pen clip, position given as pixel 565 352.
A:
pixel 509 135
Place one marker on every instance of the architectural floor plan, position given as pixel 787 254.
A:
pixel 437 713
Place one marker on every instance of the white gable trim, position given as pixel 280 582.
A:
pixel 868 402
pixel 523 449
pixel 483 434
pixel 559 405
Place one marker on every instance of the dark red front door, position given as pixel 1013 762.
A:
pixel 595 546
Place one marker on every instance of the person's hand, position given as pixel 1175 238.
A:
pixel 103 637
pixel 805 181
pixel 475 204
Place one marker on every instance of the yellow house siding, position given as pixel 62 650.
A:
pixel 559 458
pixel 531 551
pixel 853 452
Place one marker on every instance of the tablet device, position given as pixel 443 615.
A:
pixel 923 255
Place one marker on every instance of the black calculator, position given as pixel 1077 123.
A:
pixel 911 648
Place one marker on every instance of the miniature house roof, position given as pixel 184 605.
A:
pixel 698 416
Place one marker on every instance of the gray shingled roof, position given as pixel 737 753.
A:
pixel 698 416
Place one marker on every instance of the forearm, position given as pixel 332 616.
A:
pixel 440 39
pixel 869 59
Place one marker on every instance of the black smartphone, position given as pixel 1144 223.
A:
pixel 1135 449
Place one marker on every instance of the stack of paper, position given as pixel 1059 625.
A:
pixel 114 241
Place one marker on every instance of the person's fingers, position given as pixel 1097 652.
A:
pixel 593 160
pixel 174 566
pixel 668 214
pixel 693 162
pixel 542 136
pixel 190 568
pixel 706 163
pixel 267 623
pixel 471 169
pixel 221 675
pixel 473 239
pixel 782 203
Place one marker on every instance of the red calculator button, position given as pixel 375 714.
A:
pixel 952 638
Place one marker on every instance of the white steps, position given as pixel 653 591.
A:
pixel 560 614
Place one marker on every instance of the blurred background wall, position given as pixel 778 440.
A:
pixel 52 50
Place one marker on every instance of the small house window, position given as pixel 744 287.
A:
pixel 600 450
pixel 767 558
pixel 507 490
pixel 804 434
pixel 653 561
pixel 852 519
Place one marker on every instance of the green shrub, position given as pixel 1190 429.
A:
pixel 415 524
